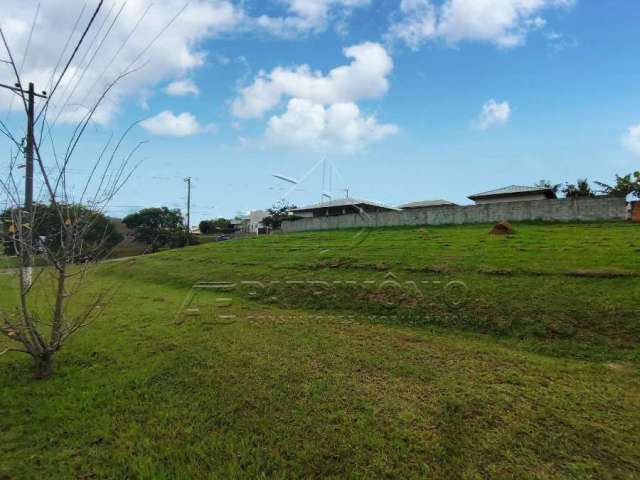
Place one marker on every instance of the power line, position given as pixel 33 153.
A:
pixel 64 49
pixel 17 88
pixel 25 53
pixel 26 48
pixel 160 33
pixel 115 55
pixel 93 56
pixel 68 85
pixel 73 54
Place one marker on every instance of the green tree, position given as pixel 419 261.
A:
pixel 626 185
pixel 159 227
pixel 99 235
pixel 581 189
pixel 277 213
pixel 219 225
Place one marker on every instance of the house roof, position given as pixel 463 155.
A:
pixel 514 190
pixel 342 202
pixel 426 203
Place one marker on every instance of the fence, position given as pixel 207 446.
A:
pixel 562 210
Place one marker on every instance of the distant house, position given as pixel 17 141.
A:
pixel 341 206
pixel 255 220
pixel 251 223
pixel 514 193
pixel 426 204
pixel 240 224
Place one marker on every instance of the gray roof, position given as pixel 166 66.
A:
pixel 427 203
pixel 342 202
pixel 514 190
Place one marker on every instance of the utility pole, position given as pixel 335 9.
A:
pixel 188 180
pixel 26 227
pixel 28 193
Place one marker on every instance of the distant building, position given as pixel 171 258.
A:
pixel 251 223
pixel 240 224
pixel 255 220
pixel 514 193
pixel 342 206
pixel 426 204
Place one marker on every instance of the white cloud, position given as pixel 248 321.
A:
pixel 307 16
pixel 168 124
pixel 181 88
pixel 175 52
pixel 505 23
pixel 493 114
pixel 631 139
pixel 340 126
pixel 321 110
pixel 415 23
pixel 364 78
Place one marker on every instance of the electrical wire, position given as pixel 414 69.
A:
pixel 73 54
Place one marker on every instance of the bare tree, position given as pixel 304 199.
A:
pixel 40 328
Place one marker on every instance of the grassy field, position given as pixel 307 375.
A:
pixel 435 352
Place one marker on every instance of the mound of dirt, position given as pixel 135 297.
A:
pixel 502 228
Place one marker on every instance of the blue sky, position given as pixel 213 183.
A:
pixel 400 120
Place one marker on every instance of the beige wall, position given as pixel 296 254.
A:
pixel 562 210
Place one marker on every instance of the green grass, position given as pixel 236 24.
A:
pixel 535 374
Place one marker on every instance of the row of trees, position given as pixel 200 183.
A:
pixel 219 225
pixel 159 227
pixel 99 234
pixel 155 227
pixel 622 187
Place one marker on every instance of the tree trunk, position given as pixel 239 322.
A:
pixel 43 366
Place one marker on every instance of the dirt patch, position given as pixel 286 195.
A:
pixel 497 271
pixel 445 269
pixel 502 228
pixel 620 367
pixel 424 233
pixel 600 273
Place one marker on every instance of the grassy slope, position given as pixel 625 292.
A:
pixel 552 391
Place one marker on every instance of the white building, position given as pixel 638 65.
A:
pixel 251 223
